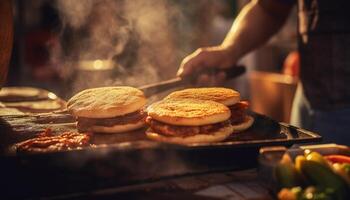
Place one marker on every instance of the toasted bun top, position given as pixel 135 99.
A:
pixel 106 102
pixel 19 91
pixel 189 112
pixel 222 95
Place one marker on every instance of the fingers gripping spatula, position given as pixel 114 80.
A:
pixel 155 88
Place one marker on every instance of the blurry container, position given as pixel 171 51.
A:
pixel 272 94
pixel 93 73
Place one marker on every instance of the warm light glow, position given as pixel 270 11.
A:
pixel 51 95
pixel 307 151
pixel 98 64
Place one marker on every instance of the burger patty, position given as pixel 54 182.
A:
pixel 130 118
pixel 238 112
pixel 46 142
pixel 183 131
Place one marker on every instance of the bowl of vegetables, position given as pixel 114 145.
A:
pixel 307 172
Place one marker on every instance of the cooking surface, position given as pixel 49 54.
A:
pixel 124 159
pixel 21 127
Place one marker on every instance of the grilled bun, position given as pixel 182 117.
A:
pixel 188 112
pixel 222 95
pixel 226 96
pixel 19 91
pixel 106 102
pixel 216 136
pixel 248 122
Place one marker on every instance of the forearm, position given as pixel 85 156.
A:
pixel 255 24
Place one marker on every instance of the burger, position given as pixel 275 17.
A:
pixel 19 94
pixel 230 98
pixel 108 109
pixel 187 121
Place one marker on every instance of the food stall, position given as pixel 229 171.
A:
pixel 52 144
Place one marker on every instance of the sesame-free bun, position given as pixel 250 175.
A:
pixel 19 91
pixel 189 112
pixel 222 95
pixel 115 129
pixel 106 102
pixel 248 122
pixel 216 136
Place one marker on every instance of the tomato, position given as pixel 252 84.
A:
pixel 338 158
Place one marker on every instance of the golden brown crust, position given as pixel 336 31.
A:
pixel 19 91
pixel 38 105
pixel 216 136
pixel 189 112
pixel 10 111
pixel 106 102
pixel 222 95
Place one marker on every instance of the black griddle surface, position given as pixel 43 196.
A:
pixel 130 158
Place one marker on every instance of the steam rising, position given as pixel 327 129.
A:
pixel 142 37
pixel 139 35
pixel 75 13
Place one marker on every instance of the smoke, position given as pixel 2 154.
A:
pixel 100 29
pixel 75 13
pixel 140 36
pixel 145 40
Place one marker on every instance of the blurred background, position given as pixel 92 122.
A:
pixel 66 46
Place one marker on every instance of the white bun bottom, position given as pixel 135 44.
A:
pixel 248 122
pixel 217 136
pixel 117 128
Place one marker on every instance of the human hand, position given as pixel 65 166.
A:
pixel 205 60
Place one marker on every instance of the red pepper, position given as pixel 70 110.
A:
pixel 338 158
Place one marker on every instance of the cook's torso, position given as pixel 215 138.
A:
pixel 324 45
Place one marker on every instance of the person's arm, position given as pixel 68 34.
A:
pixel 256 23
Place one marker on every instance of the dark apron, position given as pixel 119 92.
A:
pixel 324 46
pixel 322 100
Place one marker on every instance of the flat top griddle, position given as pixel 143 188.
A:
pixel 264 131
pixel 127 158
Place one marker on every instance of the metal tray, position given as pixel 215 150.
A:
pixel 125 159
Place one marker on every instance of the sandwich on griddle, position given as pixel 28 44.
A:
pixel 30 100
pixel 230 98
pixel 108 109
pixel 18 94
pixel 185 121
